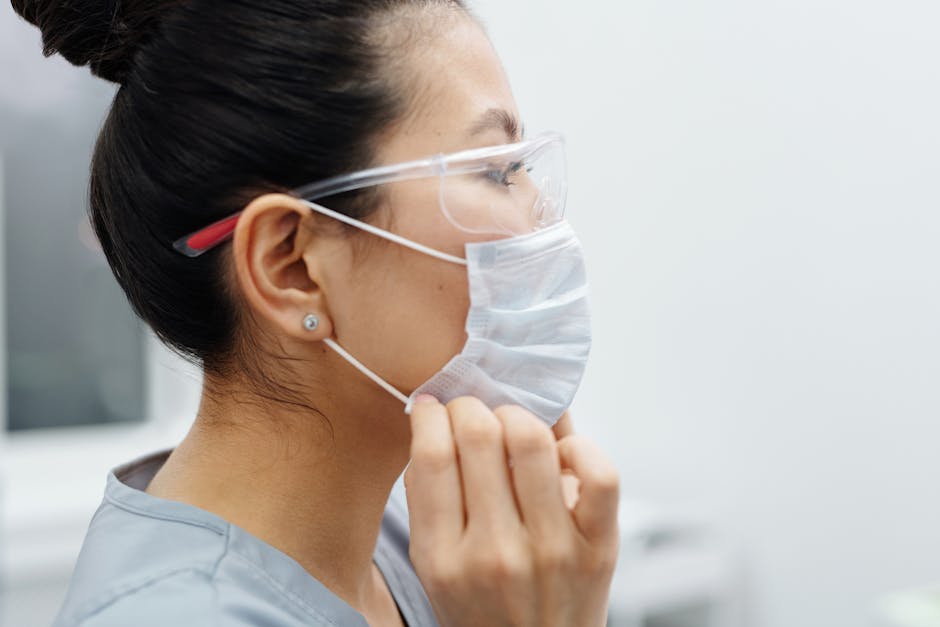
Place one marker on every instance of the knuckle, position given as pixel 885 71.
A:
pixel 481 431
pixel 464 405
pixel 606 482
pixel 578 442
pixel 602 562
pixel 501 565
pixel 601 476
pixel 607 561
pixel 432 458
pixel 556 559
pixel 513 412
pixel 435 573
pixel 531 441
pixel 517 414
pixel 529 435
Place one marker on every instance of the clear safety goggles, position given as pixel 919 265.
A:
pixel 496 192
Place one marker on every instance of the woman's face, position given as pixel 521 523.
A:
pixel 399 311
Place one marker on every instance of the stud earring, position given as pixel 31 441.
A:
pixel 311 322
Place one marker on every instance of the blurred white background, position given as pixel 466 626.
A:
pixel 757 185
pixel 758 188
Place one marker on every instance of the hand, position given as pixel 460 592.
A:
pixel 492 538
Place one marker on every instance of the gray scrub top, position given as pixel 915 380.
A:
pixel 148 561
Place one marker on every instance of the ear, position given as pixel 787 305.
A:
pixel 280 282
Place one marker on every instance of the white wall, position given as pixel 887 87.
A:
pixel 758 188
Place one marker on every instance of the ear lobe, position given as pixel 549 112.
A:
pixel 278 284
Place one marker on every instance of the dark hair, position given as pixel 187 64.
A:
pixel 219 101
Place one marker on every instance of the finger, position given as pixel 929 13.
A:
pixel 564 426
pixel 432 481
pixel 483 469
pixel 536 472
pixel 596 510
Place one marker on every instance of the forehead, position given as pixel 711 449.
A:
pixel 461 95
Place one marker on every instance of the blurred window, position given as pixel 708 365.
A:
pixel 74 350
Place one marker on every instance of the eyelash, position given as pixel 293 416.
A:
pixel 501 176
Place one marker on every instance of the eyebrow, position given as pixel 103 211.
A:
pixel 499 119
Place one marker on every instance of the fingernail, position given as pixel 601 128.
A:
pixel 425 398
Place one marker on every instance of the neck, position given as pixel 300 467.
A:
pixel 311 486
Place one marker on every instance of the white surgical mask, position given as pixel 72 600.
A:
pixel 528 326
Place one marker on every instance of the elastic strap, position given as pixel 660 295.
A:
pixel 398 239
pixel 358 365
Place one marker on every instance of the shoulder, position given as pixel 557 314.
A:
pixel 174 576
pixel 185 597
pixel 135 562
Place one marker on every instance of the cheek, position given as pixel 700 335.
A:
pixel 409 315
pixel 430 320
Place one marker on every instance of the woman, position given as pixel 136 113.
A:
pixel 266 191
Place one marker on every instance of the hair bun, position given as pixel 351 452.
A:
pixel 103 34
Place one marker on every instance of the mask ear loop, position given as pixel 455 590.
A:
pixel 392 237
pixel 358 365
